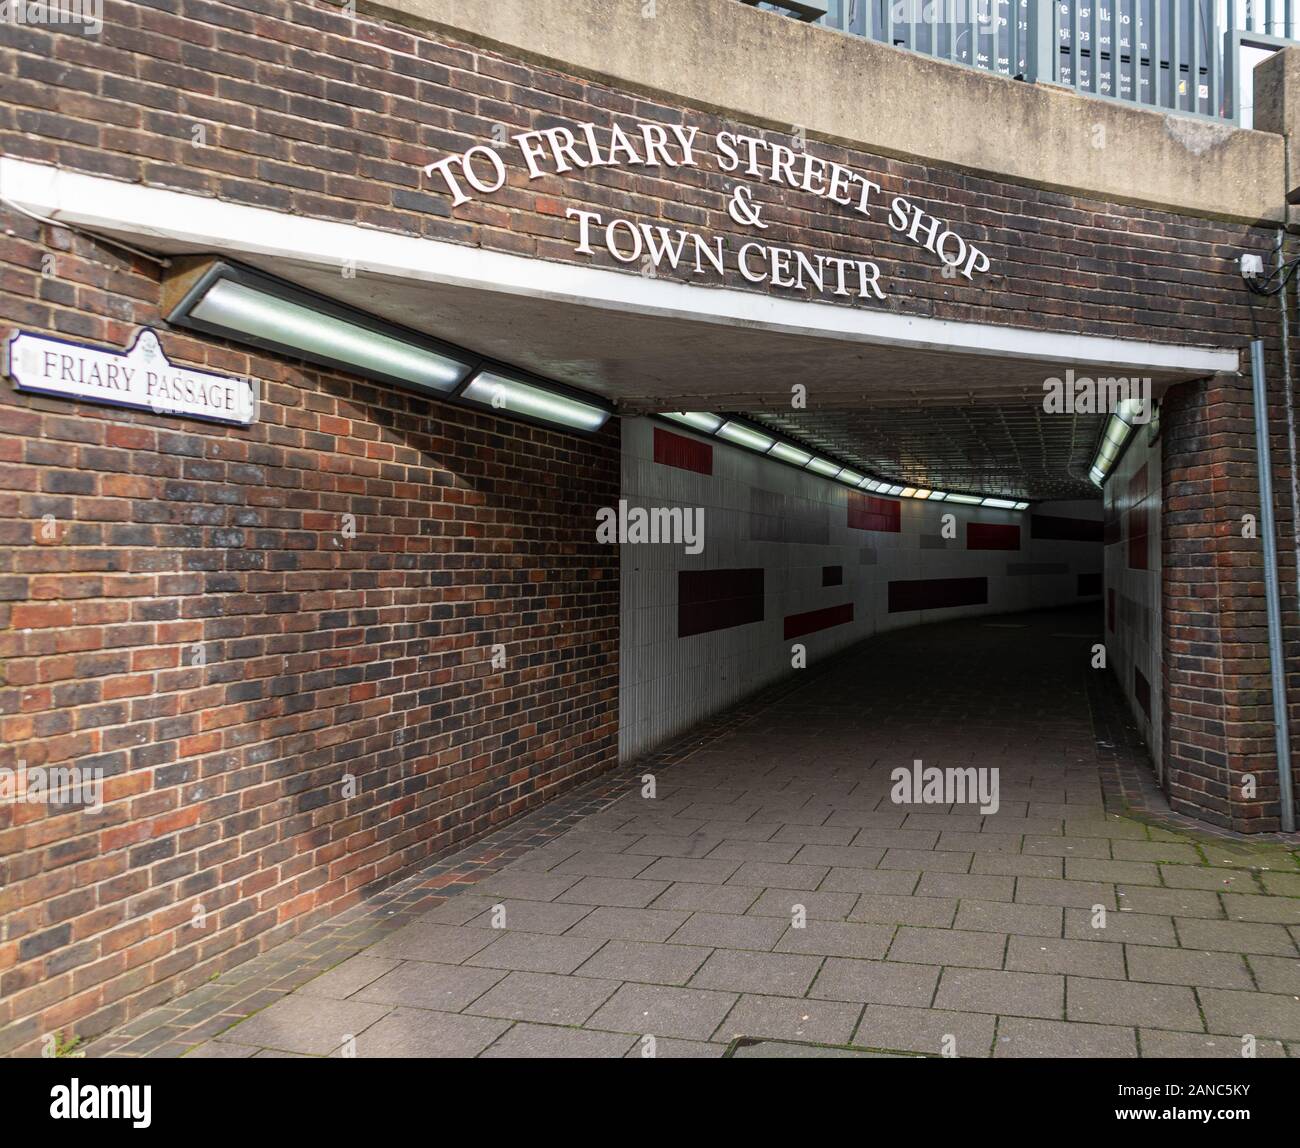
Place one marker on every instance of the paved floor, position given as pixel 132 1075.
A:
pixel 772 898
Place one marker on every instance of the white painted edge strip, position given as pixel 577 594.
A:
pixel 179 221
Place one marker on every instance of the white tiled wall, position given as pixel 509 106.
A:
pixel 759 512
pixel 1136 639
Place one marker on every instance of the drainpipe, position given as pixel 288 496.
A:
pixel 1272 598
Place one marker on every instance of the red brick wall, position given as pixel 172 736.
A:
pixel 302 109
pixel 325 655
pixel 1219 717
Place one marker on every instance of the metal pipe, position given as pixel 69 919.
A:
pixel 1272 598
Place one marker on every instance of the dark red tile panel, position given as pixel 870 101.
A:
pixel 937 593
pixel 710 600
pixel 880 514
pixel 682 452
pixel 1054 528
pixel 1138 521
pixel 796 625
pixel 992 536
pixel 1142 691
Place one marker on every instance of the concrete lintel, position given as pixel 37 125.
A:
pixel 726 57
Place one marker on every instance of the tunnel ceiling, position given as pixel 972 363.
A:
pixel 1014 450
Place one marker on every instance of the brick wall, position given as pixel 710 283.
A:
pixel 182 608
pixel 1219 723
pixel 296 107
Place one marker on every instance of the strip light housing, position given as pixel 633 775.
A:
pixel 217 297
pixel 1115 436
pixel 744 434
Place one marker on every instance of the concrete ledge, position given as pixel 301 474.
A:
pixel 726 57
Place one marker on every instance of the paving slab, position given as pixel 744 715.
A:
pixel 1003 992
pixel 550 1042
pixel 781 974
pixel 718 930
pixel 660 1010
pixel 311 1025
pixel 420 1034
pixel 824 1022
pixel 1060 1040
pixel 934 1031
pixel 878 982
pixel 544 997
pixel 421 984
pixel 645 961
pixel 1120 1002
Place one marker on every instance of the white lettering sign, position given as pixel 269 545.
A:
pixel 661 148
pixel 140 378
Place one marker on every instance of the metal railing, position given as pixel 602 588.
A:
pixel 1177 55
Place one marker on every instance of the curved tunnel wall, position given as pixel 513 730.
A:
pixel 789 557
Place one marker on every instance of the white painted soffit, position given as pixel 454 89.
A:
pixel 175 221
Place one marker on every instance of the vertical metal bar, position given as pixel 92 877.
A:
pixel 1135 53
pixel 1272 598
pixel 1268 17
pixel 1094 46
pixel 1194 59
pixel 1229 49
pixel 889 23
pixel 1156 17
pixel 1040 43
pixel 1175 72
pixel 911 23
pixel 952 28
pixel 1216 107
pixel 1116 20
pixel 1076 47
pixel 869 18
pixel 973 31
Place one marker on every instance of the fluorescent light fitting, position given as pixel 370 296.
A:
pixel 247 307
pixel 697 420
pixel 787 453
pixel 1000 503
pixel 745 436
pixel 1022 506
pixel 966 499
pixel 821 466
pixel 895 490
pixel 921 493
pixel 907 491
pixel 513 396
pixel 850 476
pixel 938 495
